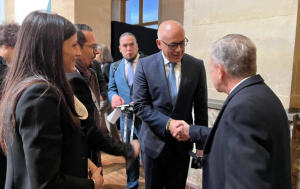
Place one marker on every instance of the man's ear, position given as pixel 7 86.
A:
pixel 221 72
pixel 158 44
pixel 120 49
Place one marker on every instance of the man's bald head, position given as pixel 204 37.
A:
pixel 169 28
pixel 171 40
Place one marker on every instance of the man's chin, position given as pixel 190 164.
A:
pixel 131 59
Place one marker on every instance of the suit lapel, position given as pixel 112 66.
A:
pixel 184 78
pixel 250 81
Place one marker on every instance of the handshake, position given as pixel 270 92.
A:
pixel 179 129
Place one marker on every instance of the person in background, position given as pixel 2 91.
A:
pixel 249 144
pixel 8 38
pixel 120 86
pixel 105 58
pixel 101 66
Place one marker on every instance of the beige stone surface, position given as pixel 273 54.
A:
pixel 96 14
pixel 9 10
pixel 271 25
pixel 64 8
pixel 171 10
pixel 116 10
pixel 216 11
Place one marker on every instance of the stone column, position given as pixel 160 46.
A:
pixel 171 10
pixel 95 13
pixel 9 10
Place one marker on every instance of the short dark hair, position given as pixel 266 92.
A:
pixel 81 39
pixel 8 33
pixel 126 34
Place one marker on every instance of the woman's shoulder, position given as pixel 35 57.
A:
pixel 38 91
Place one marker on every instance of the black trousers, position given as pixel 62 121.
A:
pixel 169 170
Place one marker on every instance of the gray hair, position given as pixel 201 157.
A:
pixel 126 34
pixel 237 54
pixel 104 54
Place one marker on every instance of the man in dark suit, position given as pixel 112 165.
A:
pixel 249 144
pixel 168 86
pixel 84 64
pixel 120 92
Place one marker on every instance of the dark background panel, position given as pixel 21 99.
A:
pixel 146 38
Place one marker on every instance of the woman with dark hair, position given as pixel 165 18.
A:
pixel 40 131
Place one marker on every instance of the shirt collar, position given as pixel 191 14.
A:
pixel 135 60
pixel 238 84
pixel 166 61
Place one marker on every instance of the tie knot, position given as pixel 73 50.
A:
pixel 172 64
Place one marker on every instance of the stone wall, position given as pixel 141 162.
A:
pixel 64 8
pixel 271 24
pixel 9 10
pixel 96 14
pixel 171 10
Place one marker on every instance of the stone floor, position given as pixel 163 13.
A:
pixel 115 174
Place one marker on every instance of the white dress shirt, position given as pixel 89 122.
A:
pixel 177 70
pixel 239 84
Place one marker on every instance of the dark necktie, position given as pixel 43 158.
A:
pixel 130 73
pixel 172 83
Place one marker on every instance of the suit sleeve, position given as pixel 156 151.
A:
pixel 101 80
pixel 38 117
pixel 247 148
pixel 112 86
pixel 199 134
pixel 96 140
pixel 142 102
pixel 200 102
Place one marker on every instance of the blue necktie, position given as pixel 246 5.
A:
pixel 130 74
pixel 172 83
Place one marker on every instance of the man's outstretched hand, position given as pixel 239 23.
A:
pixel 180 130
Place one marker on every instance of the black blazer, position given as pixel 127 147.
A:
pixel 101 80
pixel 249 144
pixel 96 140
pixel 153 104
pixel 105 71
pixel 45 151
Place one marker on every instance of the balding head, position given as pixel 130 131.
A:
pixel 171 32
pixel 169 29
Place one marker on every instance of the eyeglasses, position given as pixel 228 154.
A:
pixel 174 46
pixel 94 46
